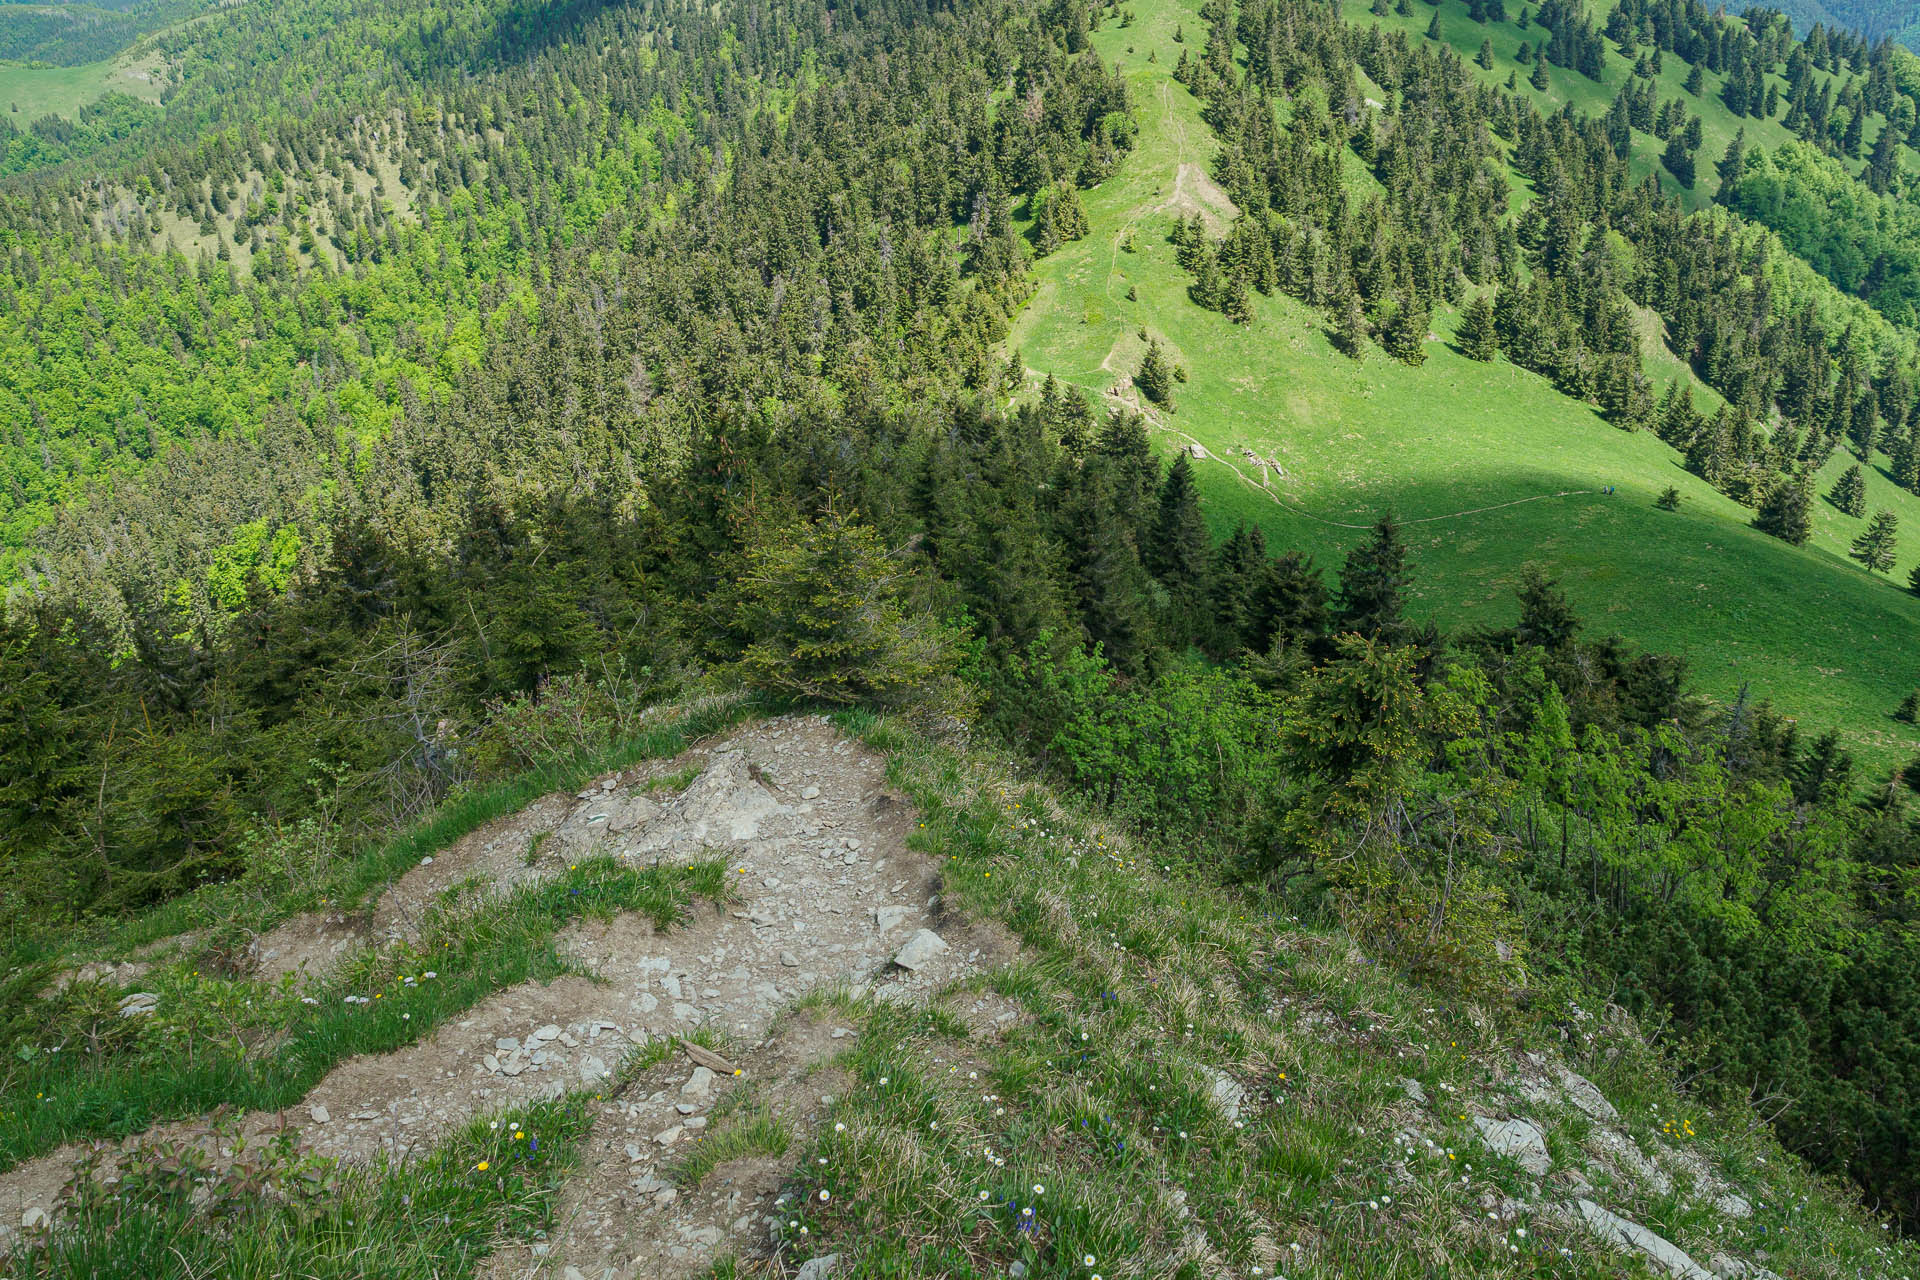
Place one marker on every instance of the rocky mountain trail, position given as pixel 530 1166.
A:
pixel 644 1203
pixel 828 900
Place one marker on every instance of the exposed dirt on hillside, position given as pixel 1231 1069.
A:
pixel 829 898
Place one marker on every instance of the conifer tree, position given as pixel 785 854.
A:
pixel 1177 550
pixel 1478 338
pixel 1669 499
pixel 1678 160
pixel 1433 28
pixel 1539 77
pixel 1485 56
pixel 1155 378
pixel 1407 332
pixel 1694 81
pixel 1372 582
pixel 1850 492
pixel 1877 543
pixel 1350 326
pixel 1103 568
pixel 1908 712
pixel 1732 164
pixel 1787 510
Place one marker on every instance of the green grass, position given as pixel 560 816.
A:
pixel 434 1217
pixel 193 1054
pixel 29 92
pixel 1805 627
pixel 1093 1110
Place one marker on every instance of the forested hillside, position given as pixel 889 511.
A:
pixel 1873 19
pixel 419 391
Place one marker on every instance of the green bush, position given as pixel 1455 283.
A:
pixel 833 615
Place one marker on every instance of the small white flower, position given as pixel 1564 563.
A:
pixel 1039 1189
pixel 1087 1261
pixel 825 1195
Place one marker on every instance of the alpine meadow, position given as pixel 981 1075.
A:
pixel 1047 639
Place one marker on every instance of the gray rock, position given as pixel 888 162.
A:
pixel 319 1113
pixel 810 793
pixel 33 1218
pixel 1619 1150
pixel 920 950
pixel 1584 1095
pixel 1017 1271
pixel 1413 1090
pixel 1728 1267
pixel 139 1004
pixel 546 1033
pixel 1733 1205
pixel 1227 1093
pixel 887 919
pixel 667 1137
pixel 1521 1140
pixel 699 1084
pixel 592 1068
pixel 491 1063
pixel 789 959
pixel 506 1044
pixel 818 1268
pixel 1633 1238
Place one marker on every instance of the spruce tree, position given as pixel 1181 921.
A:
pixel 1406 334
pixel 1876 545
pixel 1155 378
pixel 1478 338
pixel 1669 499
pixel 1103 567
pixel 1350 326
pixel 1732 164
pixel 1433 28
pixel 1678 160
pixel 1485 56
pixel 1908 712
pixel 1177 550
pixel 1694 81
pixel 1850 492
pixel 1787 510
pixel 1371 584
pixel 1539 77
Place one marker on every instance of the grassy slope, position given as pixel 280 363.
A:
pixel 1090 1106
pixel 27 93
pixel 1804 626
pixel 1091 1109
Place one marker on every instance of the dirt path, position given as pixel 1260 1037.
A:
pixel 829 894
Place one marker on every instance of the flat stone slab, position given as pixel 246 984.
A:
pixel 1520 1140
pixel 1615 1230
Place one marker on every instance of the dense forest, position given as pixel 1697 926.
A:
pixel 1873 19
pixel 427 385
pixel 69 34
